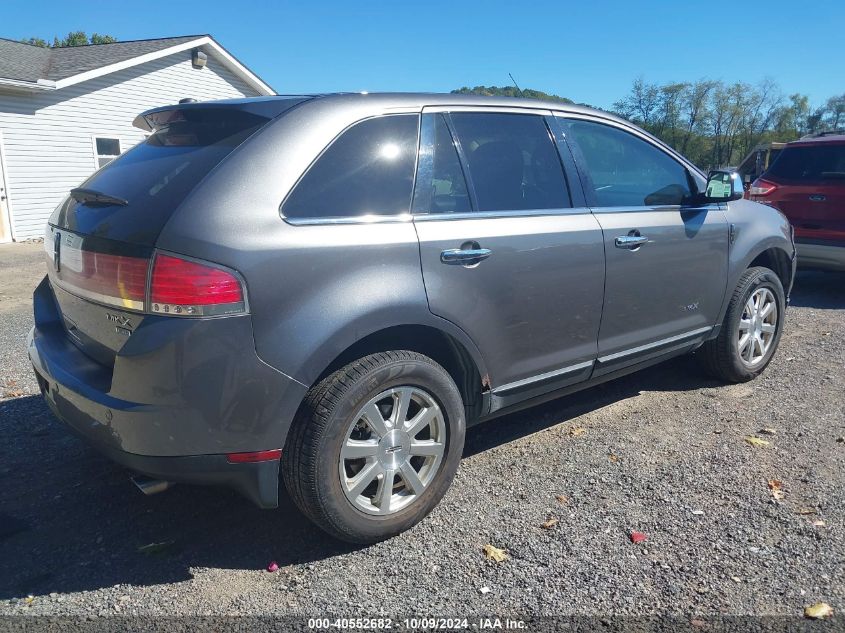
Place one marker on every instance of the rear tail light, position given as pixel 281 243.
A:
pixel 188 288
pixel 167 284
pixel 762 187
pixel 115 280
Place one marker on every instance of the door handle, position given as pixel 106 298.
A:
pixel 630 241
pixel 464 256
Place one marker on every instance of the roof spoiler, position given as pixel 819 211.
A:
pixel 266 107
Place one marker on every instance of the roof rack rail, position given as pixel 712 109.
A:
pixel 824 133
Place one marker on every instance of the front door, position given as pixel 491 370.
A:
pixel 666 261
pixel 505 254
pixel 5 220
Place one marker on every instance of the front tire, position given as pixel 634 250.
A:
pixel 751 330
pixel 375 446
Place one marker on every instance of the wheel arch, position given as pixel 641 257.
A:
pixel 458 357
pixel 778 260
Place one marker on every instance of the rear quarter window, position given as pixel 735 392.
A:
pixel 366 171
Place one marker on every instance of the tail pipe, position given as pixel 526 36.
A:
pixel 150 486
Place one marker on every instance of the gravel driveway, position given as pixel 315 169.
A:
pixel 662 452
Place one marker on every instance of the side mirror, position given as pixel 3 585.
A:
pixel 723 186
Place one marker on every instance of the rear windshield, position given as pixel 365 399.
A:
pixel 810 163
pixel 155 176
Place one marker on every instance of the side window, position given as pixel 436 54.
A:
pixel 441 186
pixel 367 170
pixel 513 162
pixel 107 150
pixel 627 171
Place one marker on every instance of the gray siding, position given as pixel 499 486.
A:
pixel 47 136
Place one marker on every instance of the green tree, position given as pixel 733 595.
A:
pixel 510 91
pixel 74 38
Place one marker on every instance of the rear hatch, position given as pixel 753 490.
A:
pixel 809 181
pixel 100 241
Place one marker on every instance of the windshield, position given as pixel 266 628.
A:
pixel 810 163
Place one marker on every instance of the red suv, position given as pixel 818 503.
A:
pixel 807 184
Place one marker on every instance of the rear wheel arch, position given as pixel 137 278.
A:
pixel 465 368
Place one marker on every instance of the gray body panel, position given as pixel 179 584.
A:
pixel 556 307
pixel 673 285
pixel 533 305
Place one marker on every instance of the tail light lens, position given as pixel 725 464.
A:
pixel 175 286
pixel 187 288
pixel 762 187
pixel 115 280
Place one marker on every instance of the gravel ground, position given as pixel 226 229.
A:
pixel 661 452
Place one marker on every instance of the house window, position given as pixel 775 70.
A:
pixel 107 150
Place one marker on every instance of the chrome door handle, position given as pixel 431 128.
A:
pixel 465 256
pixel 630 241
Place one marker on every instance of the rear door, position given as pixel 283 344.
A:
pixel 509 251
pixel 666 261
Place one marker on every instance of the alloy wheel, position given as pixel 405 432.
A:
pixel 392 450
pixel 757 327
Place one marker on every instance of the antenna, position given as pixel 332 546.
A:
pixel 515 85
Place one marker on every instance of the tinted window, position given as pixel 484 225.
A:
pixel 512 160
pixel 367 170
pixel 810 163
pixel 155 176
pixel 627 171
pixel 441 186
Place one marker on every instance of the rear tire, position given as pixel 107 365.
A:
pixel 392 417
pixel 749 334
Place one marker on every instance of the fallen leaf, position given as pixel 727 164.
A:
pixel 805 511
pixel 698 513
pixel 613 458
pixel 768 431
pixel 638 537
pixel 14 394
pixel 818 523
pixel 548 524
pixel 577 431
pixel 494 553
pixel 774 484
pixel 756 441
pixel 273 566
pixel 29 599
pixel 778 495
pixel 698 623
pixel 484 590
pixel 818 611
pixel 156 548
pixel 736 578
pixel 563 499
pixel 825 333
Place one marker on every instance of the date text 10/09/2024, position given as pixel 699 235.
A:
pixel 437 624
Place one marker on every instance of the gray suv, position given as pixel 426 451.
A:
pixel 329 289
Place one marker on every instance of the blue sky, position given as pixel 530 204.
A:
pixel 589 51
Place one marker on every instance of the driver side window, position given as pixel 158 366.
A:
pixel 627 171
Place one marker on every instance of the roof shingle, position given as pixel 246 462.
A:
pixel 24 62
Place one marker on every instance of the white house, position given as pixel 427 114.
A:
pixel 66 111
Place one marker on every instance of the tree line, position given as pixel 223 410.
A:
pixel 74 38
pixel 713 123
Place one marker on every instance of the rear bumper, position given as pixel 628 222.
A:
pixel 181 395
pixel 819 255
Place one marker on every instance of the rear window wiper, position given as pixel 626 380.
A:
pixel 81 194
